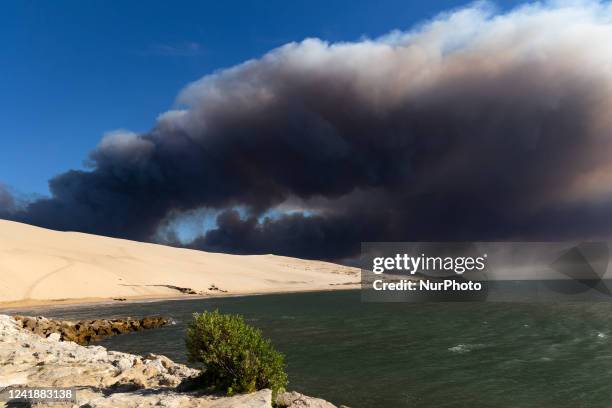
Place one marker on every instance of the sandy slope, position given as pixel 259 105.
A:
pixel 41 264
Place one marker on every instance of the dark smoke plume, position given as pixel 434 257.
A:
pixel 476 125
pixel 7 202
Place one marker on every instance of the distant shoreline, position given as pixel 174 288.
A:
pixel 76 303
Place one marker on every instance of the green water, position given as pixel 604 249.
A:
pixel 410 355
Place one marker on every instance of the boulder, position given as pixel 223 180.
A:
pixel 296 400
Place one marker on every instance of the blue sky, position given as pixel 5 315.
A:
pixel 72 70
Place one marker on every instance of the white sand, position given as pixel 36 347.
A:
pixel 38 265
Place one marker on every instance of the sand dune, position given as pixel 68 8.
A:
pixel 38 265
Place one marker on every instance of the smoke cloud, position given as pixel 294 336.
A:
pixel 475 125
pixel 7 202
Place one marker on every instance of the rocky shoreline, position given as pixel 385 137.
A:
pixel 84 332
pixel 105 379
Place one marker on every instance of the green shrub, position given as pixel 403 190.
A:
pixel 236 357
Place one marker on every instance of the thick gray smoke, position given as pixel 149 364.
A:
pixel 475 125
pixel 7 202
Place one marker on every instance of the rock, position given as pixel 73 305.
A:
pixel 124 364
pixel 296 400
pixel 84 332
pixel 259 399
pixel 169 399
pixel 105 379
pixel 48 362
pixel 153 322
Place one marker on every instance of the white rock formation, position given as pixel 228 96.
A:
pixel 297 400
pixel 110 379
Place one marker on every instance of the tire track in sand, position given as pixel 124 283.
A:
pixel 37 282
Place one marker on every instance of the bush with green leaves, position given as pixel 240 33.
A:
pixel 236 357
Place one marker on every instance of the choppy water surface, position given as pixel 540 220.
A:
pixel 410 355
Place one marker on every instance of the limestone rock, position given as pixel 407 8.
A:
pixel 54 337
pixel 30 359
pixel 105 379
pixel 296 400
pixel 169 399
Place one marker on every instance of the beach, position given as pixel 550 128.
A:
pixel 42 267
